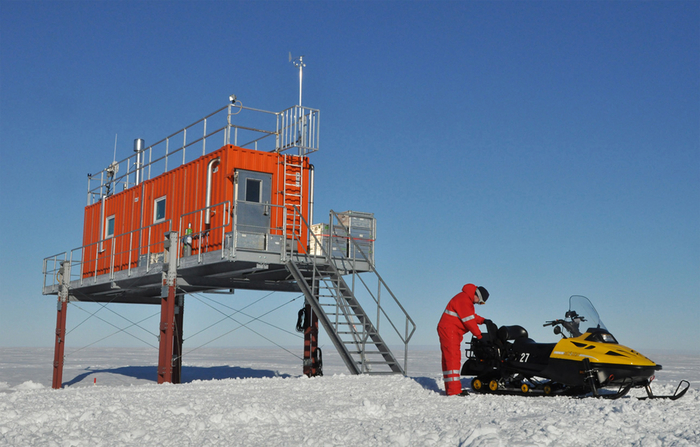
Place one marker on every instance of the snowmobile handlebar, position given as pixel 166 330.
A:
pixel 552 323
pixel 570 326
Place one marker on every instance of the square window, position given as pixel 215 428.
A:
pixel 159 210
pixel 109 227
pixel 253 189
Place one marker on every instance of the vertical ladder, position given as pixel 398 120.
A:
pixel 292 192
pixel 354 336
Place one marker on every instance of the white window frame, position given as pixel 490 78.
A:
pixel 109 219
pixel 155 209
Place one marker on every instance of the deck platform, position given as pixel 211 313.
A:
pixel 212 271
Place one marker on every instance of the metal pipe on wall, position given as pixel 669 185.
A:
pixel 138 148
pixel 210 171
pixel 311 194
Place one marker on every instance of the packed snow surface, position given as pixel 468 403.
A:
pixel 248 397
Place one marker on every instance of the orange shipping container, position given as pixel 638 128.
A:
pixel 254 192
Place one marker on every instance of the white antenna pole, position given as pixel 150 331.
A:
pixel 299 63
pixel 115 147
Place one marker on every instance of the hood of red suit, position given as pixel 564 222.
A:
pixel 469 289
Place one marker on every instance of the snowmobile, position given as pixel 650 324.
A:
pixel 506 361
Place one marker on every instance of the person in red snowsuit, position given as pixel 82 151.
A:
pixel 458 319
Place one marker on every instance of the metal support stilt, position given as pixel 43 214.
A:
pixel 167 310
pixel 312 365
pixel 177 349
pixel 59 348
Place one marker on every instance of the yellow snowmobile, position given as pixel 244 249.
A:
pixel 582 363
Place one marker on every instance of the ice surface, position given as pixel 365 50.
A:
pixel 248 397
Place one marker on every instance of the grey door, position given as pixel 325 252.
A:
pixel 253 194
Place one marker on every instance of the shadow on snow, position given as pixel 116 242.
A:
pixel 189 373
pixel 428 383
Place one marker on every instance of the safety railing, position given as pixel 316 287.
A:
pixel 360 250
pixel 269 238
pixel 298 128
pixel 293 128
pixel 52 267
pixel 222 232
pixel 198 235
pixel 325 255
pixel 123 252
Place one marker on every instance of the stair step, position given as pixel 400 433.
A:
pixel 363 333
pixel 376 362
pixel 350 306
pixel 344 322
pixel 360 335
pixel 368 353
pixel 368 344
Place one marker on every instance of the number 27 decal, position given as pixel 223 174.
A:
pixel 524 356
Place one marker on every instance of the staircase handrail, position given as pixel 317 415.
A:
pixel 328 258
pixel 383 283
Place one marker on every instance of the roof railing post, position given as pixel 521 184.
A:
pixel 184 144
pixel 204 138
pixel 167 153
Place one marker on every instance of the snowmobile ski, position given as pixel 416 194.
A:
pixel 676 394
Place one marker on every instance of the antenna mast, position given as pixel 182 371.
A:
pixel 299 62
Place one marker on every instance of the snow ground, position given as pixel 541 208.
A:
pixel 246 397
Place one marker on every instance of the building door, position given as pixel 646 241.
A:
pixel 253 192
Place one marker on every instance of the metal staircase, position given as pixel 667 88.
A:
pixel 356 338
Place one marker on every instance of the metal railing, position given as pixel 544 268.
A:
pixel 88 262
pixel 126 251
pixel 349 265
pixel 202 238
pixel 297 127
pixel 356 247
pixel 294 128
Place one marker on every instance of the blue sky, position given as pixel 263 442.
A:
pixel 541 149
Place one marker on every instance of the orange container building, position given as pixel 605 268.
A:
pixel 223 204
pixel 263 194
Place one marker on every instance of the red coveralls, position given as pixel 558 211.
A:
pixel 458 319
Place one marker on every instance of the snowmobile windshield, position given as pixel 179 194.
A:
pixel 583 315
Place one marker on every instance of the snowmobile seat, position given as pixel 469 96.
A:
pixel 506 333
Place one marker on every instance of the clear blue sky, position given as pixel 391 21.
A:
pixel 541 149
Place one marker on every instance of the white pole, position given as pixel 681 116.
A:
pixel 301 74
pixel 299 63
